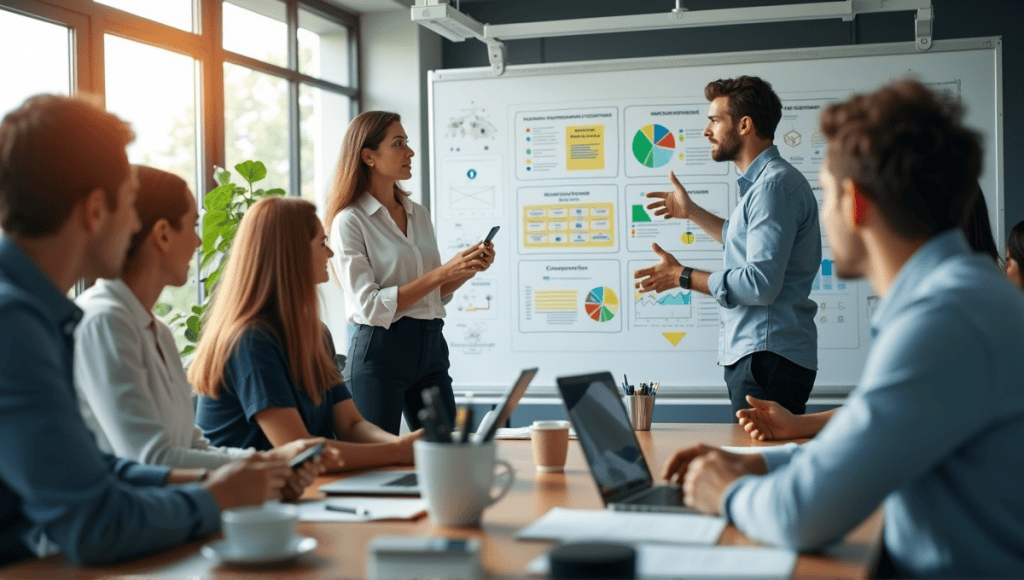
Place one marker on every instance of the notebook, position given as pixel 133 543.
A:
pixel 611 448
pixel 403 482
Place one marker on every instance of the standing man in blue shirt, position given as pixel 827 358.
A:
pixel 933 429
pixel 768 342
pixel 67 211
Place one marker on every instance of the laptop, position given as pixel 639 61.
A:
pixel 611 448
pixel 403 481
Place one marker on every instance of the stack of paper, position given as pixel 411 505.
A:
pixel 656 562
pixel 368 508
pixel 567 525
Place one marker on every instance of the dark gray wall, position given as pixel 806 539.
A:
pixel 953 19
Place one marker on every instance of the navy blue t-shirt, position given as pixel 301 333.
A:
pixel 257 377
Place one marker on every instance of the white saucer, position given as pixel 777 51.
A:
pixel 220 551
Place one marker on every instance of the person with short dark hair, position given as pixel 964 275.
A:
pixel 67 209
pixel 768 342
pixel 932 431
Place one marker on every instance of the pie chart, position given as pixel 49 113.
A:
pixel 653 145
pixel 601 304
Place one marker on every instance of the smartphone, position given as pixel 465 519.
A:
pixel 306 455
pixel 490 234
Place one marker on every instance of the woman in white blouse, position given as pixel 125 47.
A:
pixel 390 270
pixel 132 388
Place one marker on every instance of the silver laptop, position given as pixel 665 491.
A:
pixel 611 448
pixel 403 482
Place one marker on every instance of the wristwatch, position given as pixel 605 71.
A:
pixel 684 278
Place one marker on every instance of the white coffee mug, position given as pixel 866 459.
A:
pixel 265 530
pixel 456 480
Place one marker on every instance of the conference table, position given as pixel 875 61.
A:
pixel 342 548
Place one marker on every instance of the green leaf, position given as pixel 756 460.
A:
pixel 242 192
pixel 162 309
pixel 207 256
pixel 251 171
pixel 276 191
pixel 193 324
pixel 223 176
pixel 187 350
pixel 198 310
pixel 224 246
pixel 212 227
pixel 211 280
pixel 219 198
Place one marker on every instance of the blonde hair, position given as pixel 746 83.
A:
pixel 268 283
pixel 352 175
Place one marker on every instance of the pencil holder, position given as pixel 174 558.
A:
pixel 640 408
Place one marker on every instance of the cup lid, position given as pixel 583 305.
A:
pixel 550 425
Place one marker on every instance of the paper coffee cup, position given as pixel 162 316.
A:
pixel 550 440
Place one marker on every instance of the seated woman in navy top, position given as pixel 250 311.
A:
pixel 264 366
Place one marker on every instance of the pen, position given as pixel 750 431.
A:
pixel 359 511
pixel 467 417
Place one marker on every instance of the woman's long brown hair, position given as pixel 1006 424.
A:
pixel 351 175
pixel 268 282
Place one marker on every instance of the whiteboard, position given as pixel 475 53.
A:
pixel 561 155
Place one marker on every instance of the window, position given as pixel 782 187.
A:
pixel 176 13
pixel 258 30
pixel 49 69
pixel 283 104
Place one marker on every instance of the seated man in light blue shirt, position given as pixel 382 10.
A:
pixel 67 212
pixel 932 432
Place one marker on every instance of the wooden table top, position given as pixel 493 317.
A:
pixel 342 546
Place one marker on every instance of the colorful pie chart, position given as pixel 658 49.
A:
pixel 653 145
pixel 601 304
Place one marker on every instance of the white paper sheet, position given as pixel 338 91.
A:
pixel 656 562
pixel 521 433
pixel 567 525
pixel 379 508
pixel 758 449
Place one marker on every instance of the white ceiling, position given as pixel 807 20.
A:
pixel 364 6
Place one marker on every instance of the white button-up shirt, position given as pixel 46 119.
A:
pixel 136 400
pixel 373 258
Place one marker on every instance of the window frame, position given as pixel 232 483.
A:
pixel 89 21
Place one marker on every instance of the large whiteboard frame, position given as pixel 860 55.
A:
pixel 490 371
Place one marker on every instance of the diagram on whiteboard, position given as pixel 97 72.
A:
pixel 798 135
pixel 677 319
pixel 838 305
pixel 673 235
pixel 569 296
pixel 477 298
pixel 569 143
pixel 471 124
pixel 576 219
pixel 669 138
pixel 472 187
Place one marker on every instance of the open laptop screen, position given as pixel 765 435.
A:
pixel 604 432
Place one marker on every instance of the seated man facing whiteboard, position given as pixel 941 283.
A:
pixel 768 342
pixel 932 431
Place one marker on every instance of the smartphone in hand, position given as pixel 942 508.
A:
pixel 490 234
pixel 311 453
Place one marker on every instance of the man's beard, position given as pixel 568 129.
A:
pixel 728 148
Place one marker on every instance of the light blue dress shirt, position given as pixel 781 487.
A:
pixel 56 487
pixel 772 254
pixel 933 431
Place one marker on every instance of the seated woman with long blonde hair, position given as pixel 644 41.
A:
pixel 264 366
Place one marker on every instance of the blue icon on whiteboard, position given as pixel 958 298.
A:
pixel 471 174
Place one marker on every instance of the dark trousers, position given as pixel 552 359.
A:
pixel 388 369
pixel 772 377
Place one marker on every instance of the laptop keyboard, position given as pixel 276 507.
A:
pixel 407 480
pixel 662 495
